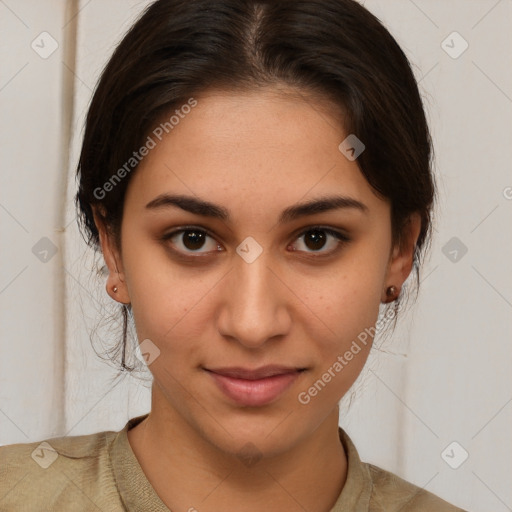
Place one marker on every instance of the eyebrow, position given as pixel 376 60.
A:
pixel 207 209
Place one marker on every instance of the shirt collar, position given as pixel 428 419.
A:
pixel 135 490
pixel 356 492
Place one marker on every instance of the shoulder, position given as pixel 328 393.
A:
pixel 374 489
pixel 392 493
pixel 58 472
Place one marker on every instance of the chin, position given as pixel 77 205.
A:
pixel 251 437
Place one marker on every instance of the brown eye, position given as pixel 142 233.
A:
pixel 316 238
pixel 191 240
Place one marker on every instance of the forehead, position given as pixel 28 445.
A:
pixel 251 150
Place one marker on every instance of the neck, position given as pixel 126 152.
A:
pixel 189 473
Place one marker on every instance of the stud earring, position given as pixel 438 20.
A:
pixel 391 292
pixel 114 289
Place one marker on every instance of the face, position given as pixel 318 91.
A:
pixel 252 305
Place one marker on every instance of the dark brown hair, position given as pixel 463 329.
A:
pixel 335 49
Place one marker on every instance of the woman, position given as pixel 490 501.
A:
pixel 258 178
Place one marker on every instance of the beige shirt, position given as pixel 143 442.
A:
pixel 99 472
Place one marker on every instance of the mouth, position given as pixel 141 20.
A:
pixel 254 387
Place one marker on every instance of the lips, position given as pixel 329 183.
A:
pixel 254 387
pixel 258 373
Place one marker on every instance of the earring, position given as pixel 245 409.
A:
pixel 391 292
pixel 114 289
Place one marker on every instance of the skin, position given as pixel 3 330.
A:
pixel 254 153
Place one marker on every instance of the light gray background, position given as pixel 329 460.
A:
pixel 445 374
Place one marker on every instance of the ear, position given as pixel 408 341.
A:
pixel 402 256
pixel 116 277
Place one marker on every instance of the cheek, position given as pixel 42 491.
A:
pixel 349 316
pixel 347 299
pixel 171 304
pixel 346 305
pixel 339 352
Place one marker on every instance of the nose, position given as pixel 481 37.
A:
pixel 255 303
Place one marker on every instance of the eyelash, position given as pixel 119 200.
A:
pixel 342 240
